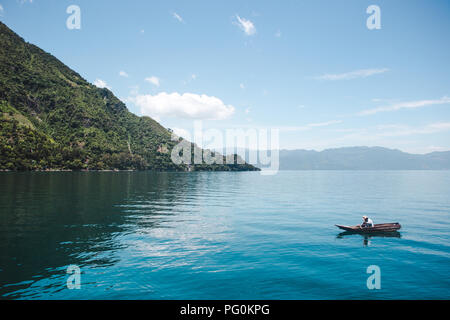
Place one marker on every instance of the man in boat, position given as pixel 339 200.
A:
pixel 367 222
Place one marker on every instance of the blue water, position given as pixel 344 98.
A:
pixel 240 235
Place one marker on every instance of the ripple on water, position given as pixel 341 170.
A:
pixel 223 235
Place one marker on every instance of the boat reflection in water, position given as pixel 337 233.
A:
pixel 368 236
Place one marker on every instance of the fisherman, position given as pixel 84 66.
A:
pixel 367 222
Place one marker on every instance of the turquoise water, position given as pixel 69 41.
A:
pixel 142 235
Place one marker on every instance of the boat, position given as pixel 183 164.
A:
pixel 382 227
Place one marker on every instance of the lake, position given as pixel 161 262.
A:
pixel 222 235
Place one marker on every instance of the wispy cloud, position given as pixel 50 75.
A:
pixel 405 105
pixel 363 73
pixel 407 130
pixel 245 25
pixel 310 126
pixel 278 34
pixel 178 17
pixel 123 74
pixel 379 134
pixel 153 80
pixel 324 124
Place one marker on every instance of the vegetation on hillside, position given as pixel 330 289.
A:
pixel 51 118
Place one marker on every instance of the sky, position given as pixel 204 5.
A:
pixel 313 69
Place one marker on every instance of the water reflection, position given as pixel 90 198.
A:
pixel 50 221
pixel 218 235
pixel 368 237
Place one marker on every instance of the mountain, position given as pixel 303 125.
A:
pixel 52 118
pixel 362 158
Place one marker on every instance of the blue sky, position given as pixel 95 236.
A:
pixel 310 68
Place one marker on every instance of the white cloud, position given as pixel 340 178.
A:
pixel 247 111
pixel 405 105
pixel 324 124
pixel 182 133
pixel 309 126
pixel 382 134
pixel 407 131
pixel 278 34
pixel 1 10
pixel 363 73
pixel 246 25
pixel 242 86
pixel 153 80
pixel 186 105
pixel 101 84
pixel 123 74
pixel 177 16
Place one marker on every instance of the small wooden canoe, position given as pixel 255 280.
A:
pixel 382 227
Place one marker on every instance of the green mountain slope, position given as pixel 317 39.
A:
pixel 51 118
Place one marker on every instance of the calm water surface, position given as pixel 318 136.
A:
pixel 142 235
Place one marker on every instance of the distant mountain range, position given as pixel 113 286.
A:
pixel 362 158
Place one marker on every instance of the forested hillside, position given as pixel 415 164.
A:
pixel 51 118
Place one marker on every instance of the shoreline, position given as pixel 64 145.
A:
pixel 119 170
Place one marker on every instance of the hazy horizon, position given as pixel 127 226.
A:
pixel 345 147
